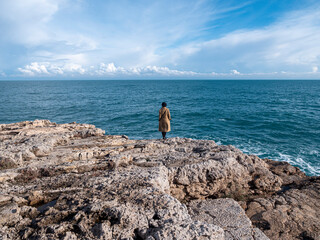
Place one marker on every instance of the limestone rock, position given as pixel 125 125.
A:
pixel 9 215
pixel 70 181
pixel 227 214
pixel 195 230
pixel 292 214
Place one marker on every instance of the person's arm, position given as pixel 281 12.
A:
pixel 169 116
pixel 159 115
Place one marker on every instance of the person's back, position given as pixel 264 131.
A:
pixel 164 120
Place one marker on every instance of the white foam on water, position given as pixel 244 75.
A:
pixel 278 156
pixel 314 152
pixel 298 161
pixel 252 150
pixel 222 119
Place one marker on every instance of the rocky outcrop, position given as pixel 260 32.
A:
pixel 71 181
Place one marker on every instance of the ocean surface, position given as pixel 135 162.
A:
pixel 279 120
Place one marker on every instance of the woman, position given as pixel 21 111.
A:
pixel 164 120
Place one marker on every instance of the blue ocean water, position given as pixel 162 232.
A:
pixel 272 119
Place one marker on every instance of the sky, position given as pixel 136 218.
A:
pixel 159 39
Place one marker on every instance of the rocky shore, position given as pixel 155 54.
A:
pixel 71 181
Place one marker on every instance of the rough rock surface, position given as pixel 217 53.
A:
pixel 70 181
pixel 228 214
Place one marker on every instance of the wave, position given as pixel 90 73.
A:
pixel 312 169
pixel 299 162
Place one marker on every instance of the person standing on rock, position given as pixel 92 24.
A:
pixel 164 120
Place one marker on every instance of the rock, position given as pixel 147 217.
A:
pixel 5 199
pixel 5 176
pixel 227 214
pixel 292 214
pixel 9 215
pixel 259 235
pixel 195 230
pixel 35 197
pixel 70 181
pixel 70 236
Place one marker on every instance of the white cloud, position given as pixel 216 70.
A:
pixel 110 70
pixel 47 69
pixel 291 44
pixel 132 34
pixel 105 69
pixel 40 69
pixel 35 68
pixel 60 37
pixel 73 68
pixel 25 21
pixel 154 70
pixel 34 28
pixel 235 72
pixel 127 32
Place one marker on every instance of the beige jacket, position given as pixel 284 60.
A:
pixel 164 120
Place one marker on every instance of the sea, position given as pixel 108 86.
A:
pixel 275 119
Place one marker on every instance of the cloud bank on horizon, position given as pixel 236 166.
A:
pixel 198 39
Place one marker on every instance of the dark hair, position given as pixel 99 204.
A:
pixel 164 104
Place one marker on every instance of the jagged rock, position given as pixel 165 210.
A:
pixel 227 214
pixel 35 197
pixel 294 212
pixel 70 181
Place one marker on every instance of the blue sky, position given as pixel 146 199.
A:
pixel 123 39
